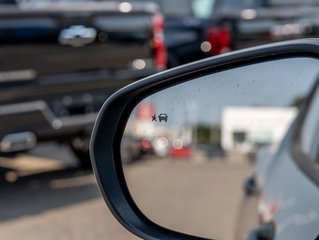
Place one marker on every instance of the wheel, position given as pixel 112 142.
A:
pixel 80 148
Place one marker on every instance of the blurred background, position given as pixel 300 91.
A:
pixel 61 59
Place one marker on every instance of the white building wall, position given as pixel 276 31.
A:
pixel 253 121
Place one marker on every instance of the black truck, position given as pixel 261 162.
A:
pixel 273 20
pixel 59 61
pixel 196 29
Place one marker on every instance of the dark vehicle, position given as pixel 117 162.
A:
pixel 61 60
pixel 133 149
pixel 220 32
pixel 273 20
pixel 213 151
pixel 288 206
pixel 196 29
pixel 130 149
pixel 185 32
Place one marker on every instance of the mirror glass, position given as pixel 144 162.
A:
pixel 186 150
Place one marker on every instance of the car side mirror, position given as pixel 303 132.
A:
pixel 165 149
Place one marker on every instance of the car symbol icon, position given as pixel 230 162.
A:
pixel 163 117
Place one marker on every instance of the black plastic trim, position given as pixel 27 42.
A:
pixel 111 121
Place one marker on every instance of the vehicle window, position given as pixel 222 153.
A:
pixel 233 5
pixel 310 130
pixel 176 7
pixel 203 8
pixel 293 2
pixel 7 2
pixel 39 2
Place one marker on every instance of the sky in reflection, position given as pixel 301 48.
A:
pixel 275 83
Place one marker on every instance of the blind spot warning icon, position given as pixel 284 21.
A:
pixel 163 117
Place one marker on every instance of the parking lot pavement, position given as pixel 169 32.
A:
pixel 53 199
pixel 65 203
pixel 201 198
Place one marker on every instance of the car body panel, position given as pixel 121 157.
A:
pixel 286 186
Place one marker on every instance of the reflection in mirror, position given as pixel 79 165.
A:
pixel 187 149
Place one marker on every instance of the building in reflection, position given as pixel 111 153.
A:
pixel 243 128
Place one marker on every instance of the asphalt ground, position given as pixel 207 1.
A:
pixel 46 196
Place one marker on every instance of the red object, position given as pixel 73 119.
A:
pixel 145 111
pixel 145 145
pixel 273 208
pixel 160 50
pixel 184 152
pixel 220 40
